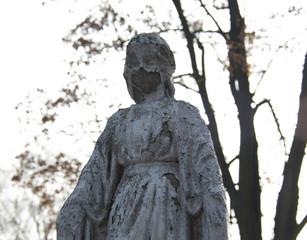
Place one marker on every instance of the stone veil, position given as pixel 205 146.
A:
pixel 153 173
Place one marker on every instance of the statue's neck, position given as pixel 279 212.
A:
pixel 157 95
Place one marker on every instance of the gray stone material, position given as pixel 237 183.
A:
pixel 153 173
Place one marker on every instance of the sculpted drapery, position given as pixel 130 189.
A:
pixel 153 173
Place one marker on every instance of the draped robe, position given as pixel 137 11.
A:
pixel 152 175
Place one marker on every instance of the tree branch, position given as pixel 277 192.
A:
pixel 185 86
pixel 301 225
pixel 169 30
pixel 181 81
pixel 267 101
pixel 201 82
pixel 232 160
pixel 207 31
pixel 201 47
pixel 270 63
pixel 217 55
pixel 286 210
pixel 68 134
pixel 183 75
pixel 214 20
pixel 189 36
pixel 249 207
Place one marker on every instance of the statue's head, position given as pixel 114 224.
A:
pixel 149 66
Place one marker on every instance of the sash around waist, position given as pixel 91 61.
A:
pixel 152 167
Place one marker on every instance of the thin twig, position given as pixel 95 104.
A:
pixel 270 63
pixel 189 37
pixel 207 31
pixel 187 87
pixel 216 23
pixel 259 104
pixel 168 30
pixel 220 8
pixel 282 138
pixel 68 134
pixel 301 225
pixel 217 54
pixel 232 160
pixel 183 75
pixel 201 47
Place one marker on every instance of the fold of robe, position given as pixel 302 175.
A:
pixel 201 177
pixel 84 215
pixel 97 209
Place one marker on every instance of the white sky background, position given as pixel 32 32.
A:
pixel 32 54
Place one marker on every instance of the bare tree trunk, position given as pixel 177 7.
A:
pixel 200 79
pixel 249 217
pixel 246 201
pixel 286 226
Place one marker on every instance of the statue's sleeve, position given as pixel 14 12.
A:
pixel 84 215
pixel 201 177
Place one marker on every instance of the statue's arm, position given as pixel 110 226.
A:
pixel 202 181
pixel 85 212
pixel 214 203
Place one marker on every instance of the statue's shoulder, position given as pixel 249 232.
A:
pixel 118 116
pixel 185 107
pixel 115 119
pixel 112 122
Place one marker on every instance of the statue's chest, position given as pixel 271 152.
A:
pixel 144 135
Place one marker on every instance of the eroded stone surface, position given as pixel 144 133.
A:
pixel 153 173
pixel 148 57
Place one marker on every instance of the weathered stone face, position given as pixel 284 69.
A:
pixel 149 64
pixel 144 83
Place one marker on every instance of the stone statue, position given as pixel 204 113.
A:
pixel 153 173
